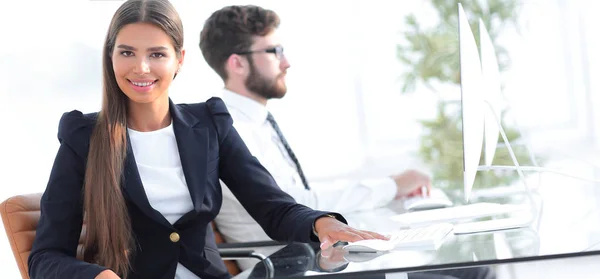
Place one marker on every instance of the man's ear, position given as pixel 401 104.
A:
pixel 237 64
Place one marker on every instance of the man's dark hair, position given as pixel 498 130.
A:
pixel 231 30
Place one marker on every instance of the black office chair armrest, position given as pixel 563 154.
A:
pixel 253 244
pixel 233 252
pixel 240 254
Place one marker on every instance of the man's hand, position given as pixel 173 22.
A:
pixel 410 183
pixel 330 231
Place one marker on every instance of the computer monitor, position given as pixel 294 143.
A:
pixel 471 84
pixel 480 92
pixel 480 96
pixel 492 94
pixel 481 99
pixel 494 102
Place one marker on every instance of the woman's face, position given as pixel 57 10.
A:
pixel 145 62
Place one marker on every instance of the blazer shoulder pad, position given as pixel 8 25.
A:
pixel 220 115
pixel 74 126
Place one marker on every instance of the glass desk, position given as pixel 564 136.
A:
pixel 299 260
pixel 575 232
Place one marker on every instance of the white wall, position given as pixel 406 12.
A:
pixel 343 106
pixel 591 62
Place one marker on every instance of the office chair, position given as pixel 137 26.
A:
pixel 20 215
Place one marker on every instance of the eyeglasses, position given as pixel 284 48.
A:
pixel 278 51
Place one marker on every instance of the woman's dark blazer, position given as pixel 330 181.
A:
pixel 210 148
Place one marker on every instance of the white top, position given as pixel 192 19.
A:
pixel 250 121
pixel 159 165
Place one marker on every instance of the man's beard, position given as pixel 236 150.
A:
pixel 262 86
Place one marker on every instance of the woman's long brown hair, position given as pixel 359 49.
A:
pixel 109 241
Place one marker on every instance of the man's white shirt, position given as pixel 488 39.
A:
pixel 250 121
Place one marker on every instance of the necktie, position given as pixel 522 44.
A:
pixel 288 149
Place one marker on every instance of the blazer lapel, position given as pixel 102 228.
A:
pixel 192 143
pixel 135 189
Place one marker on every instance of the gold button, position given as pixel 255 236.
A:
pixel 174 237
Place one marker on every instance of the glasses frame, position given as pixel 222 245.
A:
pixel 277 50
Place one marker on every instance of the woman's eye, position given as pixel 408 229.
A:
pixel 127 53
pixel 157 55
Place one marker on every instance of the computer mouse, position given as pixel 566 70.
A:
pixel 427 203
pixel 371 245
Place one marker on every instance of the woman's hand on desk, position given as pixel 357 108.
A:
pixel 412 183
pixel 330 231
pixel 107 274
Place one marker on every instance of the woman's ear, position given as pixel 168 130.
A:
pixel 181 57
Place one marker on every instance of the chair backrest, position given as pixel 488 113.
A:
pixel 20 215
pixel 232 266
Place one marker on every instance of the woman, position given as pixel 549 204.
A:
pixel 144 172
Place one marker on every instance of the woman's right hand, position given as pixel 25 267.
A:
pixel 330 231
pixel 107 274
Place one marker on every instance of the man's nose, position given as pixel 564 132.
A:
pixel 285 63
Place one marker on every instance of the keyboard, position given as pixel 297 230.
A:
pixel 427 237
pixel 456 213
pixel 431 236
pixel 493 225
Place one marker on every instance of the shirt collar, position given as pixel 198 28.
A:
pixel 252 109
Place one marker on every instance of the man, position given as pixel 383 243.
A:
pixel 241 45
